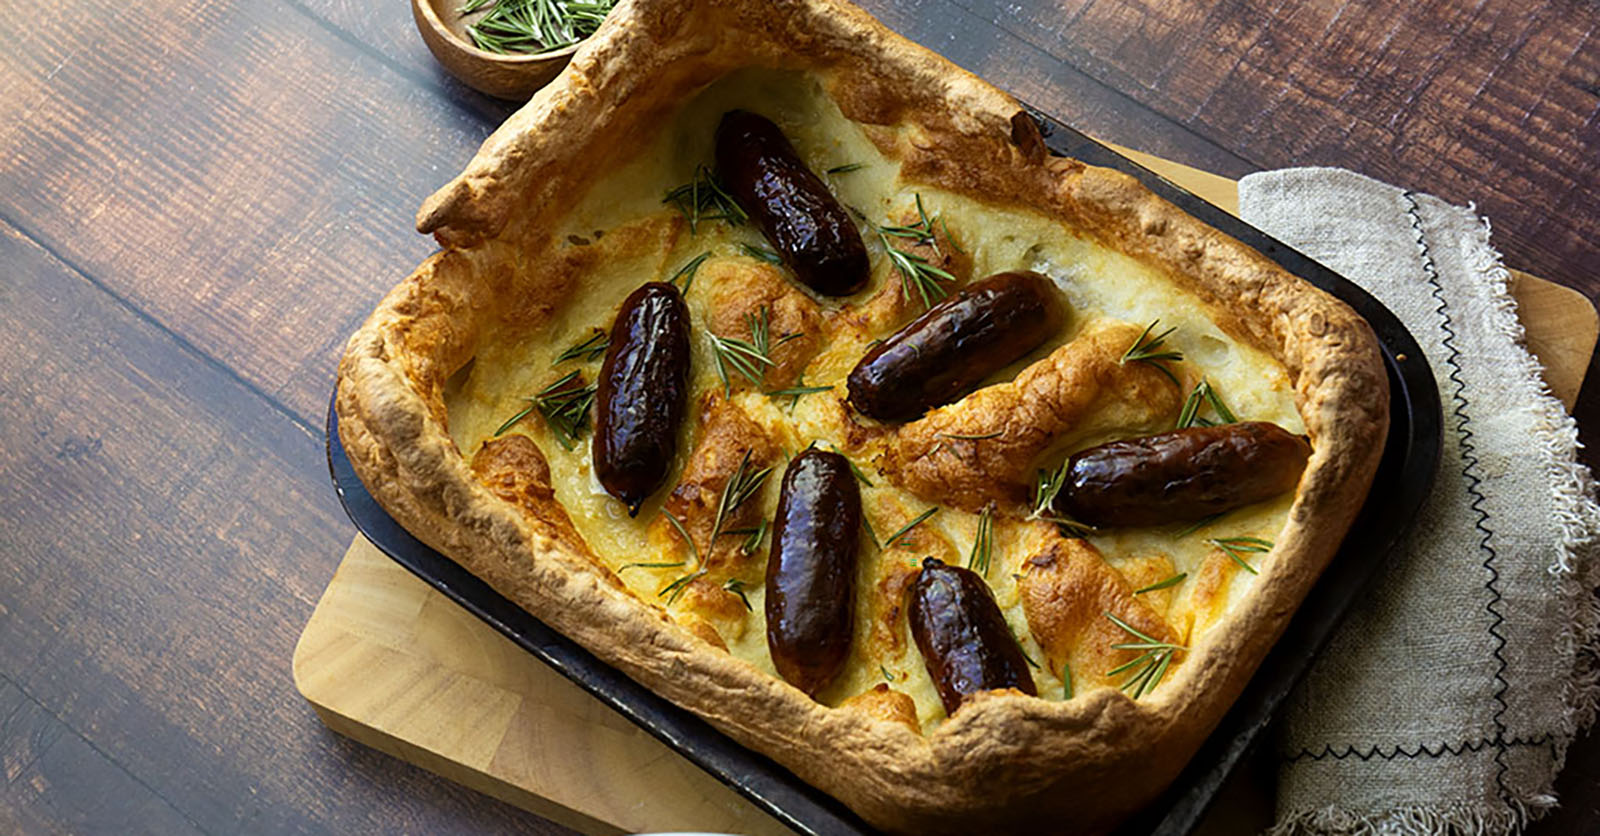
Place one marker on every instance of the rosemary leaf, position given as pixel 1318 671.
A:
pixel 894 539
pixel 590 350
pixel 1198 524
pixel 682 532
pixel 1066 681
pixel 626 566
pixel 1172 581
pixel 676 589
pixel 1203 393
pixel 687 271
pixel 762 254
pixel 736 586
pixel 982 437
pixel 847 168
pixel 1238 547
pixel 983 543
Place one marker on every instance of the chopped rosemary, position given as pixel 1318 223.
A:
pixel 1151 665
pixel 704 199
pixel 1152 352
pixel 736 586
pixel 565 406
pixel 894 539
pixel 1198 524
pixel 687 271
pixel 1238 547
pixel 590 350
pixel 762 254
pixel 1172 581
pixel 1203 393
pixel 983 542
pixel 982 437
pixel 1047 486
pixel 918 272
pixel 847 168
pixel 746 357
pixel 533 26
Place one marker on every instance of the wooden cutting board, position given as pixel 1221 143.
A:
pixel 388 661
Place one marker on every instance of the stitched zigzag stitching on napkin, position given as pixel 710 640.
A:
pixel 1459 294
pixel 1422 750
pixel 1469 467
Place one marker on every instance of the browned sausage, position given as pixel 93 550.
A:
pixel 941 355
pixel 964 639
pixel 1183 475
pixel 644 384
pixel 811 572
pixel 800 217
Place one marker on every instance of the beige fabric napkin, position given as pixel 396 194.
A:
pixel 1448 698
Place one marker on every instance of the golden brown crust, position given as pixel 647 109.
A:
pixel 963 454
pixel 1005 762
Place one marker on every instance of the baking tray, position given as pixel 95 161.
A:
pixel 1411 456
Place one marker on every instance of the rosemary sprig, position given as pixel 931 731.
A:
pixel 736 586
pixel 1150 666
pixel 761 254
pixel 894 539
pixel 746 357
pixel 704 199
pixel 1152 352
pixel 847 168
pixel 743 484
pixel 565 406
pixel 687 271
pixel 533 26
pixel 918 272
pixel 1238 547
pixel 1199 524
pixel 983 542
pixel 1204 393
pixel 590 350
pixel 1047 486
pixel 1163 584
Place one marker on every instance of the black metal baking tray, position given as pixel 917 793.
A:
pixel 1411 456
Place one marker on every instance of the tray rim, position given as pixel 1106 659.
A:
pixel 1415 412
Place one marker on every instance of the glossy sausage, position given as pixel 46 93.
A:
pixel 793 207
pixel 964 639
pixel 642 392
pixel 1182 475
pixel 811 572
pixel 943 354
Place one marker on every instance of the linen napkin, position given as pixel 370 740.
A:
pixel 1449 697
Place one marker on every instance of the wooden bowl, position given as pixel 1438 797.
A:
pixel 515 77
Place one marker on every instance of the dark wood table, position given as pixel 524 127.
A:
pixel 199 200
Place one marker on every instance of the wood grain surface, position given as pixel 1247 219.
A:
pixel 199 200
